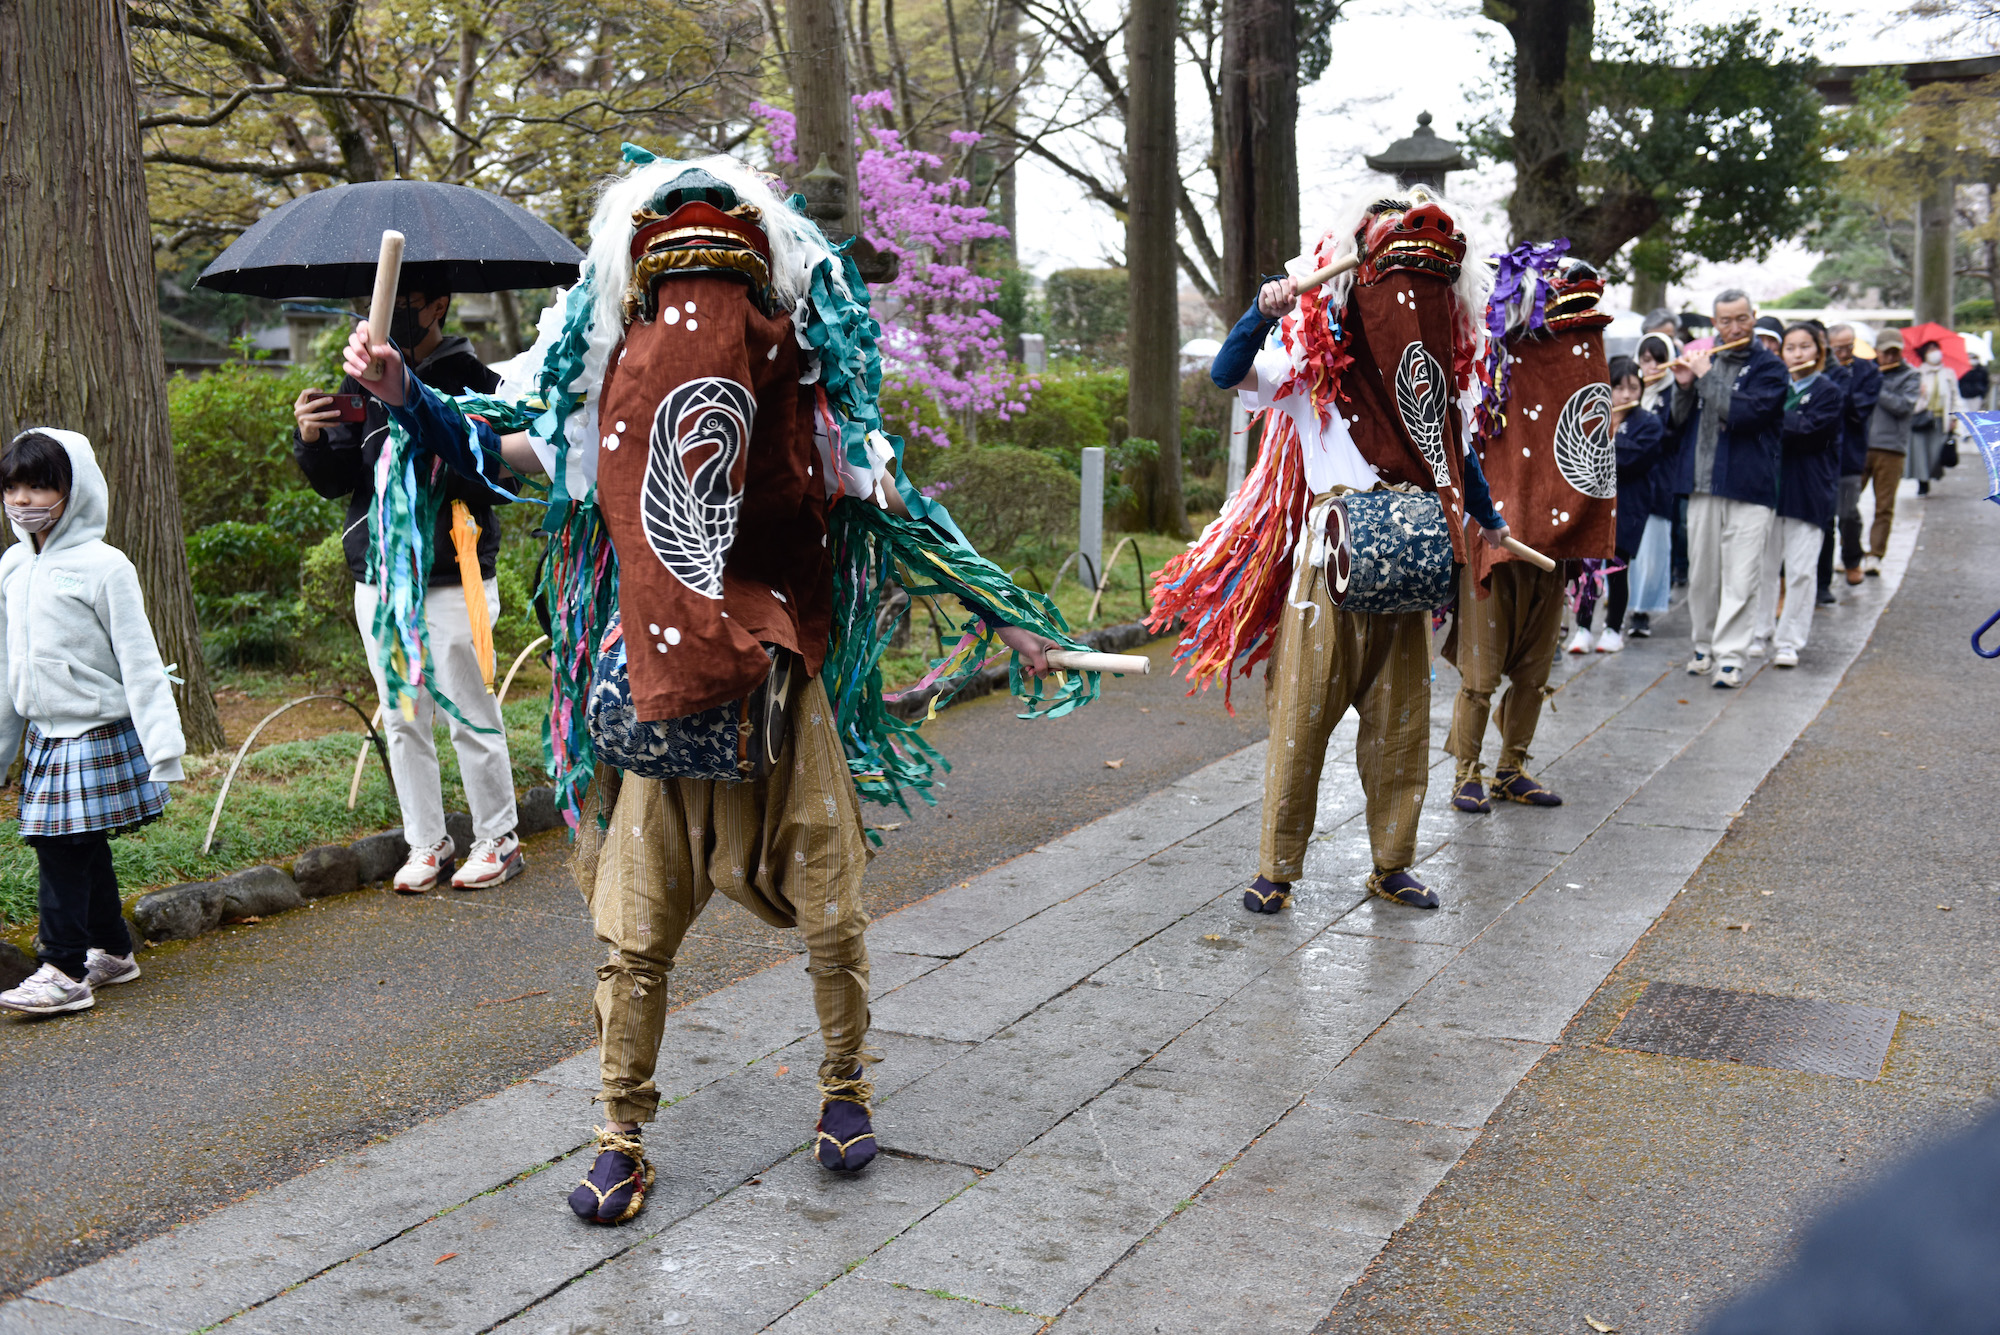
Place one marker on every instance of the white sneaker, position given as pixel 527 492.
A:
pixel 1756 649
pixel 420 873
pixel 1728 678
pixel 1785 658
pixel 1580 642
pixel 105 968
pixel 491 862
pixel 48 991
pixel 1610 642
pixel 1871 565
pixel 1700 665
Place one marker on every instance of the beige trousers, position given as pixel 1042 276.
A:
pixel 789 848
pixel 1513 632
pixel 1324 662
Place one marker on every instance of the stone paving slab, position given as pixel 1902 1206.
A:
pixel 752 1256
pixel 28 1317
pixel 856 1303
pixel 1146 1077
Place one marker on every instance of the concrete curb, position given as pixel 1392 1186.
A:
pixel 183 912
pixel 1109 640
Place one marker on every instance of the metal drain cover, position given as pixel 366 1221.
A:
pixel 1784 1033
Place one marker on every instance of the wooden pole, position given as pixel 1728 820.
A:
pixel 382 306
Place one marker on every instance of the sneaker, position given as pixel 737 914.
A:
pixel 1580 642
pixel 1402 888
pixel 1728 678
pixel 491 862
pixel 1871 565
pixel 1700 665
pixel 844 1139
pixel 1756 649
pixel 615 1188
pixel 1786 658
pixel 1266 896
pixel 104 968
pixel 1610 642
pixel 421 872
pixel 48 991
pixel 1642 626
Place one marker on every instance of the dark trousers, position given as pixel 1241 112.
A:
pixel 1851 550
pixel 78 901
pixel 1824 576
pixel 1680 567
pixel 1617 592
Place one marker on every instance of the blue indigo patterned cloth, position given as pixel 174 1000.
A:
pixel 696 746
pixel 98 780
pixel 1397 554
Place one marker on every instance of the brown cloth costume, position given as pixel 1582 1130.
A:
pixel 713 491
pixel 1399 400
pixel 1553 473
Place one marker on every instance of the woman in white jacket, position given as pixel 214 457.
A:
pixel 85 682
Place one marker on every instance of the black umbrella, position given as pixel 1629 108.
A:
pixel 458 239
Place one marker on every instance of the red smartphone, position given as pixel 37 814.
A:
pixel 351 407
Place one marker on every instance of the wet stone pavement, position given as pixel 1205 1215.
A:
pixel 1111 1100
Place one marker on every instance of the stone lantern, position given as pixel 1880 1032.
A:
pixel 1422 158
pixel 825 192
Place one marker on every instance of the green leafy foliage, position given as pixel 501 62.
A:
pixel 232 440
pixel 1020 503
pixel 246 580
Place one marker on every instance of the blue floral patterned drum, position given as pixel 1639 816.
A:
pixel 1388 551
pixel 733 742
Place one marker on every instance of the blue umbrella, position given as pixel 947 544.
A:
pixel 1983 429
pixel 456 239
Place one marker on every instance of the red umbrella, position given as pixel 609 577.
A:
pixel 1949 343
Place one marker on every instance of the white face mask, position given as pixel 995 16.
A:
pixel 1933 358
pixel 35 518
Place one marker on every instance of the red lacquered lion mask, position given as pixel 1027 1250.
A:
pixel 1409 238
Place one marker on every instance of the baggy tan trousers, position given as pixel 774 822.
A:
pixel 1513 632
pixel 790 848
pixel 1324 662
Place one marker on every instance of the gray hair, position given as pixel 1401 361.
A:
pixel 1729 294
pixel 1838 328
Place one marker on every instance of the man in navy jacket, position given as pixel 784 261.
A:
pixel 1729 468
pixel 1864 386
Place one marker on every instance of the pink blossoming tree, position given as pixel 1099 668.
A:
pixel 940 336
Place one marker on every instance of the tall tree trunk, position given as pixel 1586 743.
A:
pixel 1551 42
pixel 1152 173
pixel 820 94
pixel 1258 144
pixel 80 308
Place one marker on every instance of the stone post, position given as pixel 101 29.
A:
pixel 1090 515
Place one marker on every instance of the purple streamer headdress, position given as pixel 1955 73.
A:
pixel 1520 285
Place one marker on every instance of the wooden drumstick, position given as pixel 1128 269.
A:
pixel 382 306
pixel 1306 282
pixel 1527 553
pixel 1073 660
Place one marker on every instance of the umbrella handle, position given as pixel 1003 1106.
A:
pixel 1980 634
pixel 382 306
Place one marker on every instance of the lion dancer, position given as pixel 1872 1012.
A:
pixel 1359 389
pixel 709 395
pixel 1543 441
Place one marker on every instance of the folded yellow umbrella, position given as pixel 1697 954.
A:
pixel 465 539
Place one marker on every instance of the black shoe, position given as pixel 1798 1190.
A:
pixel 1923 486
pixel 844 1140
pixel 1402 888
pixel 1267 896
pixel 1642 626
pixel 615 1188
pixel 1826 599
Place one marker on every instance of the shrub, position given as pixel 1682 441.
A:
pixel 1087 312
pixel 232 441
pixel 1015 504
pixel 245 591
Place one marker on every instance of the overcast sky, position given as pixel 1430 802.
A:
pixel 1393 59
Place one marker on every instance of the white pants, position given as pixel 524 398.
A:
pixel 1794 545
pixel 1725 562
pixel 483 764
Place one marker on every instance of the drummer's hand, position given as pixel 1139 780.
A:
pixel 1277 297
pixel 1496 538
pixel 1033 648
pixel 360 354
pixel 313 409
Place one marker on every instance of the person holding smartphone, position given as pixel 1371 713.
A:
pixel 338 441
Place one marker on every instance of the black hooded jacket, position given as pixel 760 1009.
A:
pixel 341 465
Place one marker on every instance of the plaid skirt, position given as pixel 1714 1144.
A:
pixel 95 781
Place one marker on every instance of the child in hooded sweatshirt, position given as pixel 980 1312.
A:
pixel 84 680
